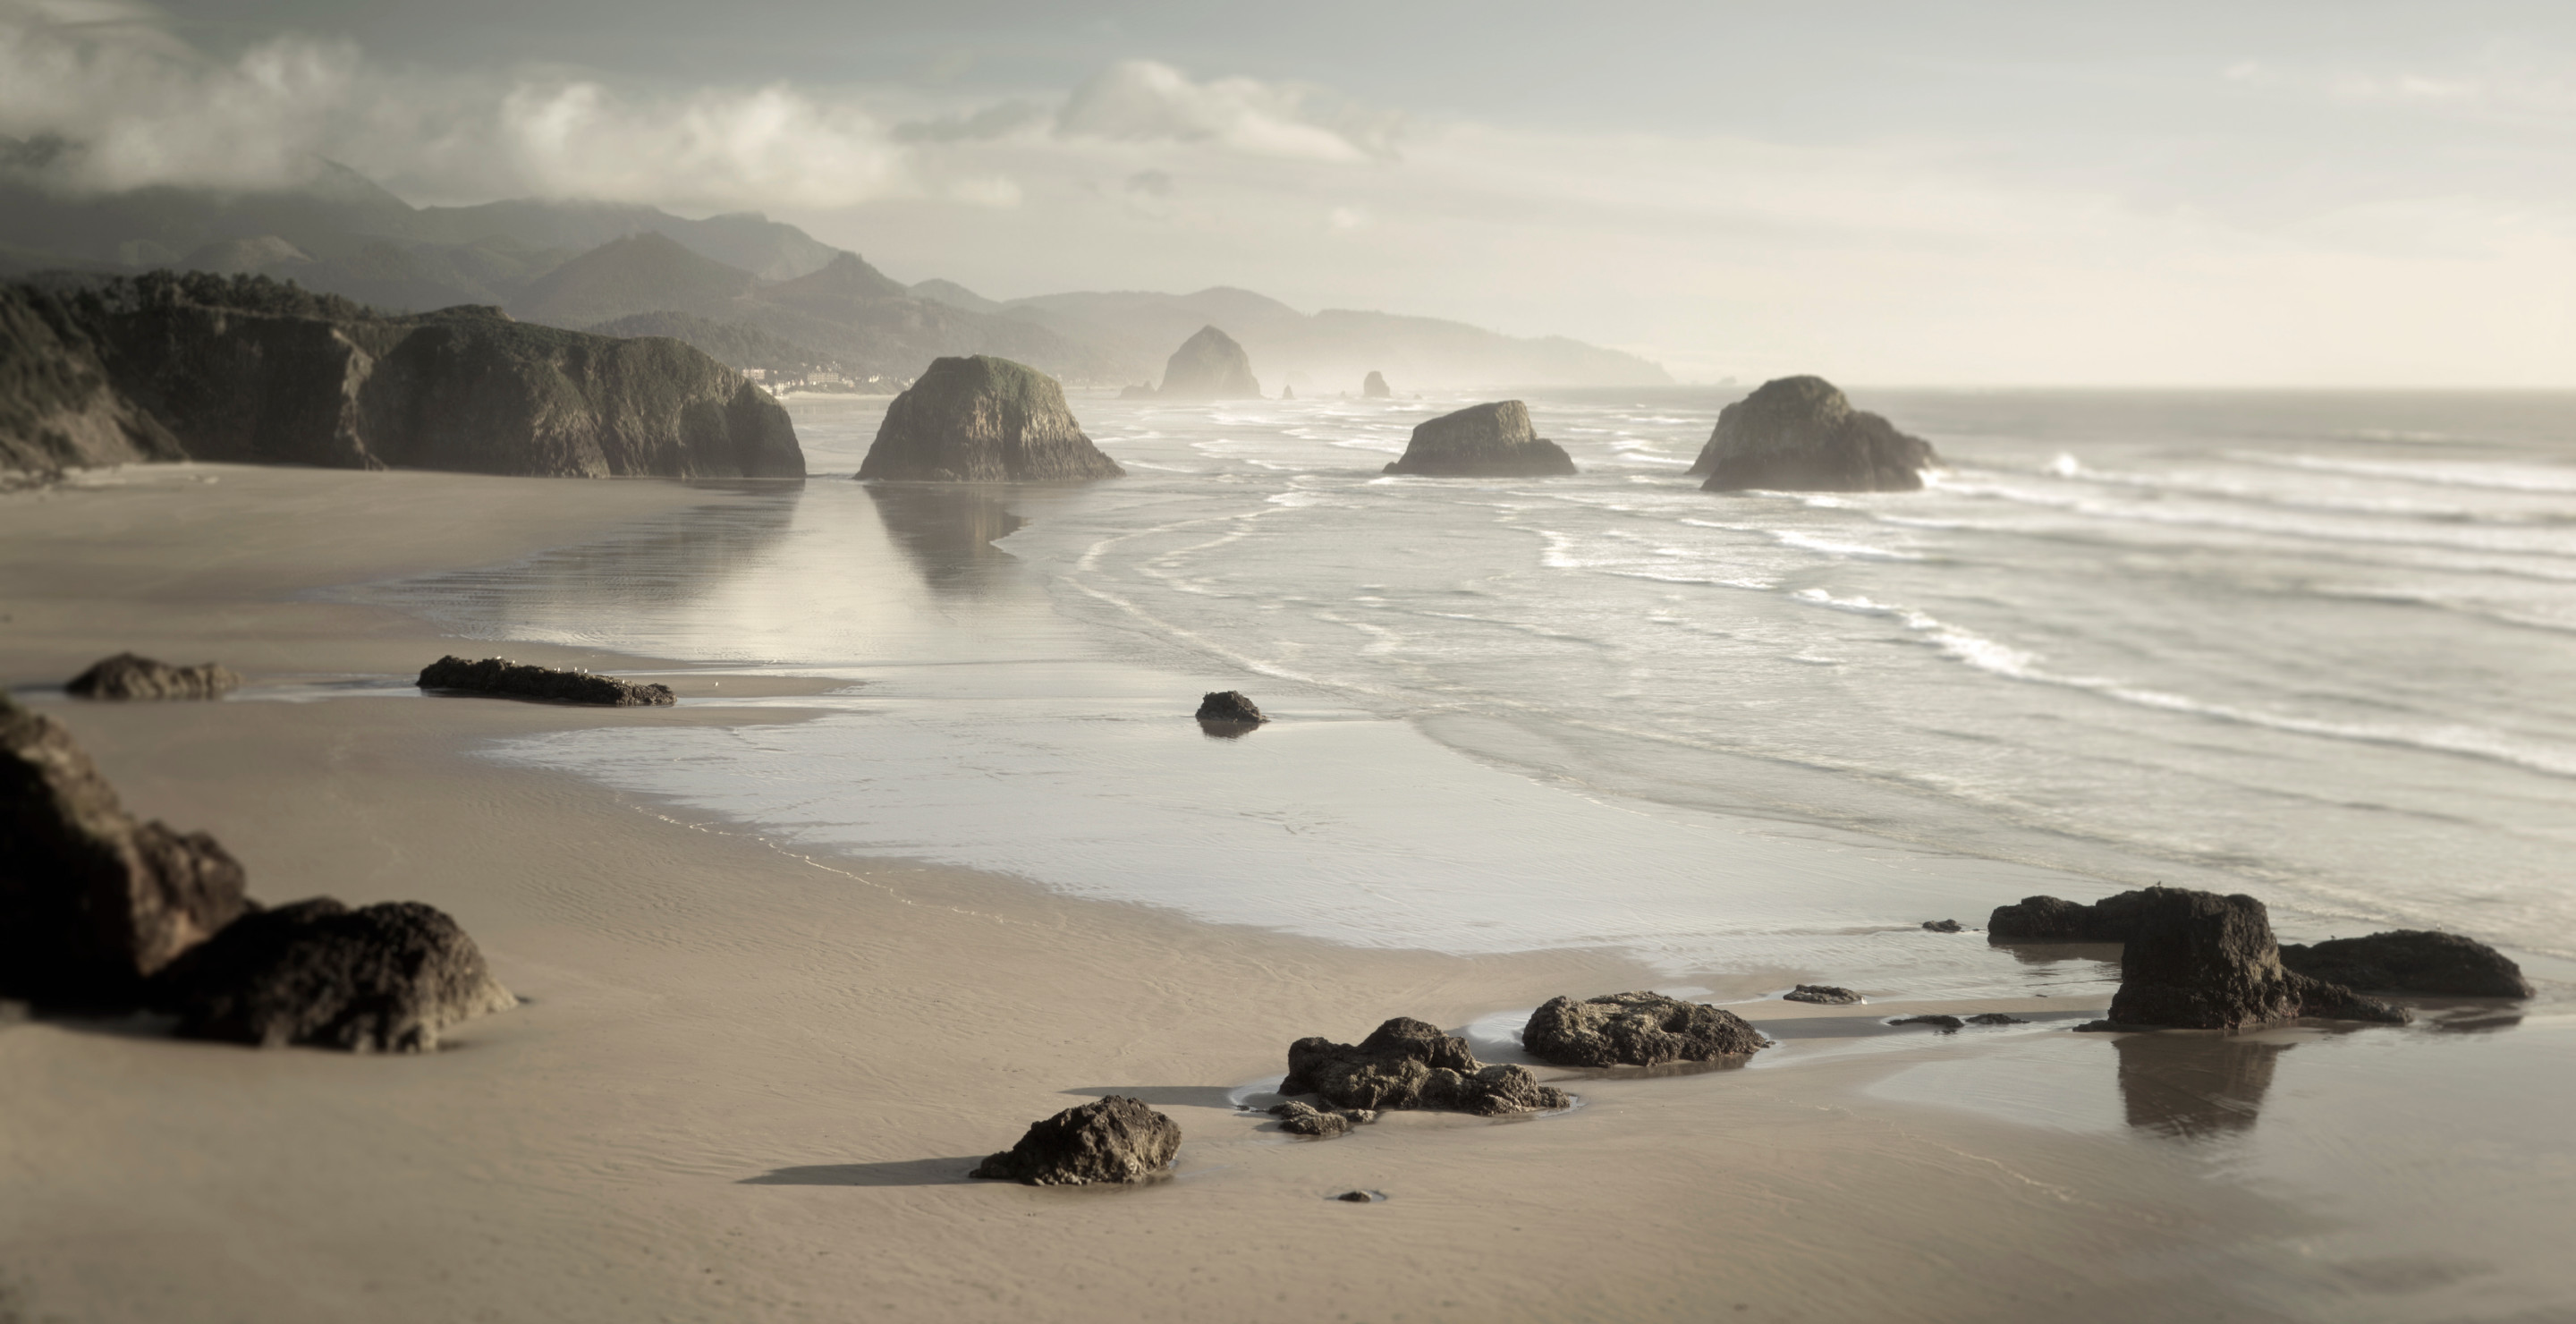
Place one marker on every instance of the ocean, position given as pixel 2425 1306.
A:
pixel 2316 647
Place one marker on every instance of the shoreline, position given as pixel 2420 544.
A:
pixel 746 1083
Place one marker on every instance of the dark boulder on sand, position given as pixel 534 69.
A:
pixel 386 978
pixel 1407 1064
pixel 1941 925
pixel 92 902
pixel 128 676
pixel 2049 919
pixel 1798 434
pixel 1230 706
pixel 1113 1139
pixel 2411 961
pixel 1375 387
pixel 1209 366
pixel 980 419
pixel 1491 440
pixel 1942 1024
pixel 1303 1119
pixel 2198 960
pixel 499 675
pixel 1636 1029
pixel 1827 994
pixel 244 369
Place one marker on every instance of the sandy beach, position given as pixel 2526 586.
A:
pixel 748 1078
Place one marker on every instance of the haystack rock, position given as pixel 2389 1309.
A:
pixel 1407 1063
pixel 2411 961
pixel 1493 440
pixel 129 676
pixel 91 901
pixel 1114 1139
pixel 1636 1030
pixel 983 420
pixel 1375 388
pixel 1798 434
pixel 2198 960
pixel 386 978
pixel 1287 392
pixel 1210 366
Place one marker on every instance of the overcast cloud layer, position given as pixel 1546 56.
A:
pixel 2348 194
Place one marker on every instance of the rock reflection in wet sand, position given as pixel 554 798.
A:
pixel 2194 1086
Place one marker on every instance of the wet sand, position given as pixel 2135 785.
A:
pixel 746 1083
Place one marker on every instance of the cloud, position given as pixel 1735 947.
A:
pixel 1145 102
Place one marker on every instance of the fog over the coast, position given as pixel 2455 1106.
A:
pixel 2309 193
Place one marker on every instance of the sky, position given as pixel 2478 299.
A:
pixel 2248 193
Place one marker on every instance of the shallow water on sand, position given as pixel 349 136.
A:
pixel 2318 648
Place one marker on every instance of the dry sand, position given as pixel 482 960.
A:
pixel 746 1085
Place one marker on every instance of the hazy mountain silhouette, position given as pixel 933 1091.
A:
pixel 637 274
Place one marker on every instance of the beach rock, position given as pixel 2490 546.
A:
pixel 1636 1029
pixel 386 978
pixel 93 902
pixel 980 419
pixel 496 675
pixel 2049 919
pixel 1323 1123
pixel 127 676
pixel 1230 706
pixel 2198 960
pixel 1827 994
pixel 250 370
pixel 1492 440
pixel 1114 1139
pixel 1209 366
pixel 1944 1024
pixel 1375 388
pixel 2411 961
pixel 1996 1018
pixel 1798 434
pixel 1407 1064
pixel 1942 925
pixel 1356 1197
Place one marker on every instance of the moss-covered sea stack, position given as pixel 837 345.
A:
pixel 1798 434
pixel 983 420
pixel 1492 440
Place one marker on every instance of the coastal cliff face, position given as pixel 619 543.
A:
pixel 983 420
pixel 1800 434
pixel 57 408
pixel 1491 440
pixel 1210 366
pixel 252 371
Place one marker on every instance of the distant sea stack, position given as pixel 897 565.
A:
pixel 1375 388
pixel 1493 440
pixel 983 420
pixel 1798 434
pixel 1210 366
pixel 254 371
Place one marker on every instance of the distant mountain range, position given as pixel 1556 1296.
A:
pixel 746 289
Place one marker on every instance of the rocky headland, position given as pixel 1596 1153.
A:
pixel 251 370
pixel 1491 440
pixel 1798 434
pixel 1209 366
pixel 983 420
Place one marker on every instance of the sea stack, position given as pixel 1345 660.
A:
pixel 2201 961
pixel 1798 434
pixel 1492 440
pixel 1375 387
pixel 1210 366
pixel 983 420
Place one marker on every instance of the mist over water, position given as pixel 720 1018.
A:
pixel 2321 648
